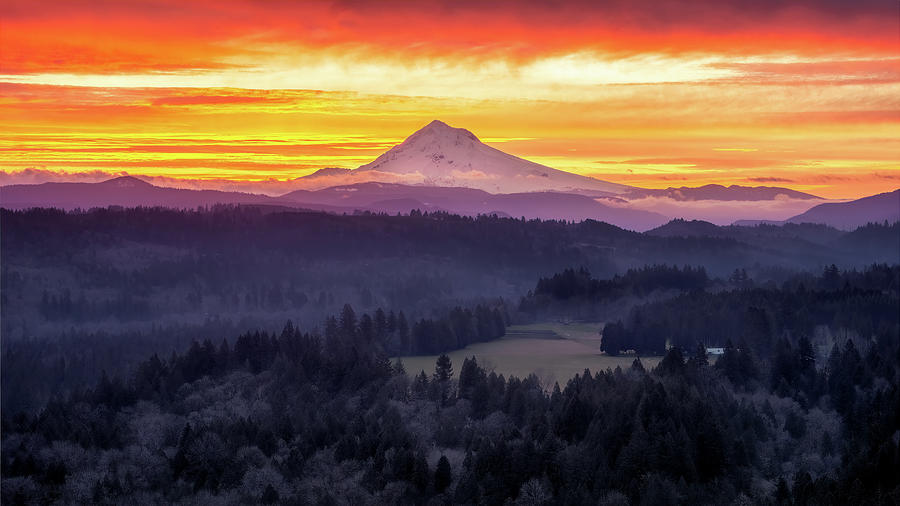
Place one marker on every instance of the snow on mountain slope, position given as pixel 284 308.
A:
pixel 440 155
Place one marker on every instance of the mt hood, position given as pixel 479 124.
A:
pixel 440 155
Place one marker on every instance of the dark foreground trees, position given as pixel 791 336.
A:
pixel 296 417
pixel 290 418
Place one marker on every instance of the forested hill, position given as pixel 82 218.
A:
pixel 490 240
pixel 736 312
pixel 576 293
pixel 36 370
pixel 293 419
pixel 136 271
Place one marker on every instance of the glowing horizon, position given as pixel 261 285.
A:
pixel 649 94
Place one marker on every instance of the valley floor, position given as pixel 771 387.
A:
pixel 554 351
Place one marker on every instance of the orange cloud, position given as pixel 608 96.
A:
pixel 635 91
pixel 253 135
pixel 170 35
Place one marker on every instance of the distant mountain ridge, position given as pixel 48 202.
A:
pixel 718 192
pixel 856 213
pixel 442 168
pixel 845 215
pixel 129 191
pixel 881 243
pixel 470 201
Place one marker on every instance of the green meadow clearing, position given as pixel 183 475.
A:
pixel 555 352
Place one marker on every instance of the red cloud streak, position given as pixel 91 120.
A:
pixel 168 35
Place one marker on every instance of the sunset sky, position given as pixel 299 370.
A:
pixel 802 94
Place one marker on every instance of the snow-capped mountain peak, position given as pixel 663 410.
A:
pixel 437 133
pixel 441 155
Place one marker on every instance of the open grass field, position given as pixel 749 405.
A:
pixel 555 352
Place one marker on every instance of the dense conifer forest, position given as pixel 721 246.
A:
pixel 295 417
pixel 141 363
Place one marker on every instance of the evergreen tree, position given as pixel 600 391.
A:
pixel 443 372
pixel 443 475
pixel 700 359
pixel 420 474
pixel 672 363
pixel 348 326
pixel 403 333
pixel 443 369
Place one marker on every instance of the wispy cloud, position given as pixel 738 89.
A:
pixel 770 180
